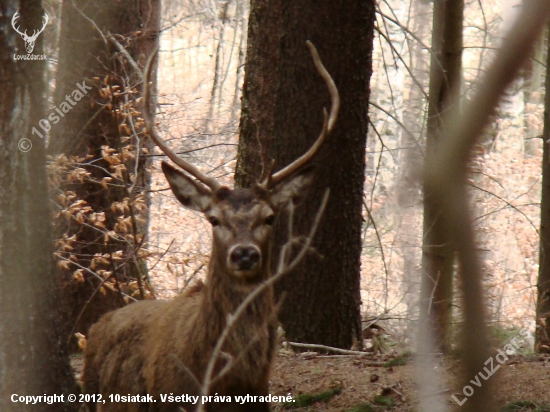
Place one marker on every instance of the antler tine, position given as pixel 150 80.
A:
pixel 46 20
pixel 14 22
pixel 212 183
pixel 328 124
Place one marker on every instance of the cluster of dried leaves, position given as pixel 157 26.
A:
pixel 101 209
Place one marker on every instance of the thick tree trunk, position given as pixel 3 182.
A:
pixel 283 98
pixel 93 129
pixel 32 358
pixel 542 343
pixel 438 253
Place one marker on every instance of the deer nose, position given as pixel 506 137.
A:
pixel 245 257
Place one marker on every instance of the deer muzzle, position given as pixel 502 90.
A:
pixel 245 257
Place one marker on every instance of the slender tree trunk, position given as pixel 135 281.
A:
pixel 243 17
pixel 410 160
pixel 533 93
pixel 542 343
pixel 33 361
pixel 283 98
pixel 437 252
pixel 216 96
pixel 236 18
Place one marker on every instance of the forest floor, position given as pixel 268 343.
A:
pixel 521 378
pixel 352 384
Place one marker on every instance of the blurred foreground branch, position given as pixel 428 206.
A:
pixel 446 174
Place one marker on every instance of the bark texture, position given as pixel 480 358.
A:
pixel 542 343
pixel 32 361
pixel 282 104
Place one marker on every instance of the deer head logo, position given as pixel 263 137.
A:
pixel 29 40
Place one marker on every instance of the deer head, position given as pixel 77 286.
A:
pixel 241 218
pixel 29 40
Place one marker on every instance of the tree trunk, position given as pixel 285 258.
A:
pixel 542 343
pixel 217 92
pixel 532 93
pixel 282 104
pixel 242 17
pixel 410 160
pixel 437 253
pixel 104 242
pixel 32 359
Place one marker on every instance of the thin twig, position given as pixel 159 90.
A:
pixel 70 335
pixel 91 272
pixel 328 348
pixel 163 254
pixel 121 48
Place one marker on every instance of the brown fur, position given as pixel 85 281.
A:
pixel 153 347
pixel 141 348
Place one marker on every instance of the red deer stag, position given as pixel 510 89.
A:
pixel 164 347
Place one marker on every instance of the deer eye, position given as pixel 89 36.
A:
pixel 269 220
pixel 214 221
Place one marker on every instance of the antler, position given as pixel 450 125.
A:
pixel 37 32
pixel 25 35
pixel 212 183
pixel 14 22
pixel 328 124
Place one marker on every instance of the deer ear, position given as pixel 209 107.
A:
pixel 294 188
pixel 191 194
